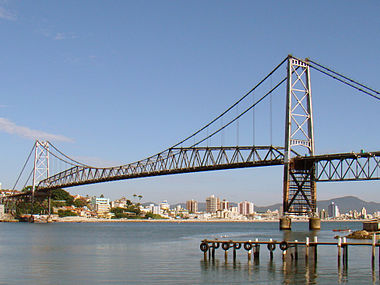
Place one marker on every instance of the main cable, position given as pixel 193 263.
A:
pixel 345 77
pixel 232 106
pixel 23 168
pixel 245 111
pixel 348 83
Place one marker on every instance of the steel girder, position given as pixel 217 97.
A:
pixel 347 167
pixel 171 161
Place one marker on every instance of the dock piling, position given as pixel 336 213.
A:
pixel 339 249
pixel 307 249
pixel 315 248
pixel 373 249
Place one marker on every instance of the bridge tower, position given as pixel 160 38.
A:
pixel 299 188
pixel 41 163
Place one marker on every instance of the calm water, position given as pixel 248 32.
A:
pixel 165 253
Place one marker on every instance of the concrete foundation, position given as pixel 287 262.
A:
pixel 314 223
pixel 285 223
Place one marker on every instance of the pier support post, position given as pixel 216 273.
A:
pixel 307 243
pixel 285 223
pixel 256 254
pixel 345 253
pixel 315 249
pixel 373 249
pixel 339 249
pixel 314 223
pixel 249 254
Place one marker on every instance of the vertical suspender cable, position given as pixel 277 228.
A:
pixel 237 125
pixel 253 120
pixel 270 114
pixel 221 133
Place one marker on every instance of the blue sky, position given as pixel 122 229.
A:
pixel 113 82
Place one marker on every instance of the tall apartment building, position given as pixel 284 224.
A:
pixel 192 206
pixel 333 210
pixel 224 205
pixel 246 208
pixel 212 204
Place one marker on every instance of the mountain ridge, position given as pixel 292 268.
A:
pixel 345 204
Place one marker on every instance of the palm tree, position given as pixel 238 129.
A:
pixel 140 197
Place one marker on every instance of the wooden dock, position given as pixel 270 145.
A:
pixel 289 249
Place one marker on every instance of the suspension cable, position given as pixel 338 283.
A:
pixel 232 106
pixel 64 155
pixel 245 111
pixel 336 76
pixel 345 77
pixel 23 168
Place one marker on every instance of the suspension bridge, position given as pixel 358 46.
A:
pixel 200 152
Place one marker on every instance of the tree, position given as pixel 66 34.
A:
pixel 60 195
pixel 66 213
pixel 80 203
pixel 140 197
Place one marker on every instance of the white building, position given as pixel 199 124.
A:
pixel 164 205
pixel 100 205
pixel 333 210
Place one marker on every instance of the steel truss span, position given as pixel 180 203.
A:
pixel 172 161
pixel 344 166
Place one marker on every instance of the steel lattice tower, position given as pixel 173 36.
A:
pixel 299 187
pixel 41 163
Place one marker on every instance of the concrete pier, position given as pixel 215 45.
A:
pixel 285 223
pixel 314 223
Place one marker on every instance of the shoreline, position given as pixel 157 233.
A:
pixel 94 220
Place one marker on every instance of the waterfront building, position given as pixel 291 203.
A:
pixel 224 205
pixel 364 213
pixel 333 210
pixel 120 203
pixel 323 214
pixel 212 204
pixel 192 206
pixel 101 205
pixel 246 208
pixel 164 205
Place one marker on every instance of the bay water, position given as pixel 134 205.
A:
pixel 168 253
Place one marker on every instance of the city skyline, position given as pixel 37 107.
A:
pixel 109 87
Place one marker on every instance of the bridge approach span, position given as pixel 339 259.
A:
pixel 171 161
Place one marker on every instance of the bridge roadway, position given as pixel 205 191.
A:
pixel 328 167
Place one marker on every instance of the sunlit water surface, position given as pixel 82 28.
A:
pixel 168 253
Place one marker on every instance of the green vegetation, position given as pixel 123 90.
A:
pixel 66 213
pixel 62 195
pixel 23 208
pixel 152 216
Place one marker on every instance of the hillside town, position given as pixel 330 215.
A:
pixel 67 207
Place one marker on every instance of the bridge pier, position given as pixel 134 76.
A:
pixel 314 223
pixel 285 223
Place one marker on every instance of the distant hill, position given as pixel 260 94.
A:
pixel 344 203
